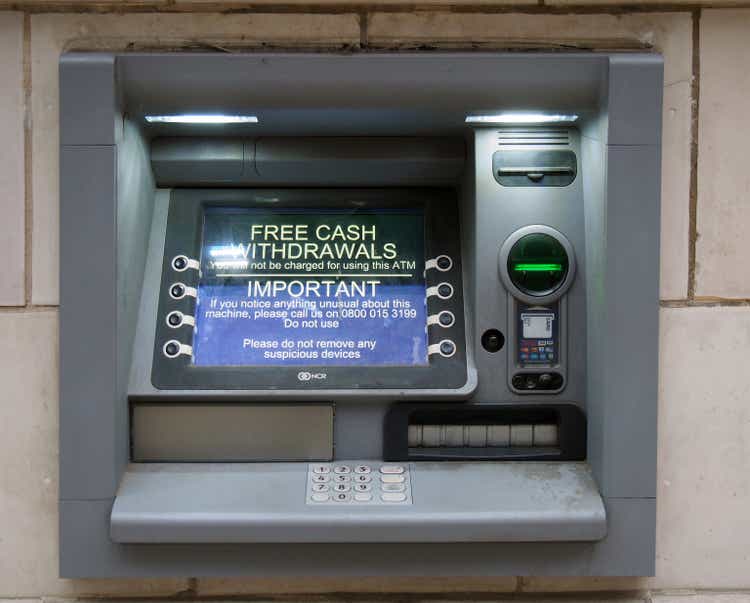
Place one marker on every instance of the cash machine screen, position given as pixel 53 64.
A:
pixel 311 287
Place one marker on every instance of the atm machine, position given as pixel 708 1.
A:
pixel 357 315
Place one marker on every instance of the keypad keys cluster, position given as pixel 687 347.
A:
pixel 358 483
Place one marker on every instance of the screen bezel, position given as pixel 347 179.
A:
pixel 184 237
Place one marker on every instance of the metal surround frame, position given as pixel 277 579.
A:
pixel 622 92
pixel 184 236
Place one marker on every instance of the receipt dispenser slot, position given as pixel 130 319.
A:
pixel 534 167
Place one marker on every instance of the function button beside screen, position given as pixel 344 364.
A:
pixel 444 263
pixel 447 348
pixel 177 291
pixel 172 349
pixel 445 290
pixel 180 263
pixel 446 318
pixel 174 319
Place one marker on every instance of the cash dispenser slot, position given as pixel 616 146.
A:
pixel 458 432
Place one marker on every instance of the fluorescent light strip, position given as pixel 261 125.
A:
pixel 520 118
pixel 202 119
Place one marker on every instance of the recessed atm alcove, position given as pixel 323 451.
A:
pixel 356 315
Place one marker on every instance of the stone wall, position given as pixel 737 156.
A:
pixel 703 541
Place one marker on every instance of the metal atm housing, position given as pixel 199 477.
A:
pixel 526 446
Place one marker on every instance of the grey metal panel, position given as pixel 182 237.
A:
pixel 88 102
pixel 347 161
pixel 262 502
pixel 88 371
pixel 594 155
pixel 237 432
pixel 357 94
pixel 354 428
pixel 627 550
pixel 201 160
pixel 498 212
pixel 630 327
pixel 88 340
pixel 327 161
pixel 135 194
pixel 635 99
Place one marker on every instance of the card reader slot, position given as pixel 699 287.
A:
pixel 484 432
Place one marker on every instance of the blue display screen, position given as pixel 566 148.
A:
pixel 311 287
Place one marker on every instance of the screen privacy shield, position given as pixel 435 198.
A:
pixel 311 287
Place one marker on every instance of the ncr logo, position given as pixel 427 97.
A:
pixel 308 376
